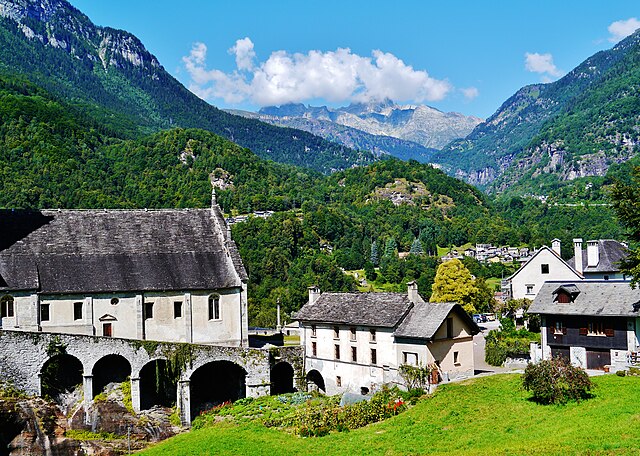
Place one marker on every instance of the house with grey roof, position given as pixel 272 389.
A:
pixel 168 275
pixel 357 341
pixel 599 261
pixel 594 323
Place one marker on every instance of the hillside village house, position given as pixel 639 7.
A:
pixel 599 261
pixel 167 275
pixel 357 341
pixel 592 323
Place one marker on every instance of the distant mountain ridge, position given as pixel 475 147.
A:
pixel 546 134
pixel 424 125
pixel 57 47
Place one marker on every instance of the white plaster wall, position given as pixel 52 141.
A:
pixel 578 356
pixel 531 274
pixel 228 329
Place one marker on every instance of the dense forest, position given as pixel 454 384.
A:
pixel 57 154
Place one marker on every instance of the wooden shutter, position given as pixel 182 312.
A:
pixel 608 332
pixel 583 331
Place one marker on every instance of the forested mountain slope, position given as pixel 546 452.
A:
pixel 57 47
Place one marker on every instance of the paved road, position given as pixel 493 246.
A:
pixel 478 350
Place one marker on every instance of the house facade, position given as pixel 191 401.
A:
pixel 599 261
pixel 357 341
pixel 167 275
pixel 592 323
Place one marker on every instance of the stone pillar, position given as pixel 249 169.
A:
pixel 136 402
pixel 257 386
pixel 139 317
pixel 184 402
pixel 188 318
pixel 87 389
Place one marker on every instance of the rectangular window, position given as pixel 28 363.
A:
pixel 313 331
pixel 352 333
pixel 336 332
pixel 559 328
pixel 456 358
pixel 314 349
pixel 336 351
pixel 354 354
pixel 374 356
pixel 338 381
pixel 177 309
pixel 449 328
pixel 44 312
pixel 529 289
pixel 410 358
pixel 372 335
pixel 214 307
pixel 595 328
pixel 77 310
pixel 148 310
pixel 544 268
pixel 7 306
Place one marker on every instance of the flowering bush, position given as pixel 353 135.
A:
pixel 556 381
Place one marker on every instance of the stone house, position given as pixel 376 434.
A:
pixel 593 323
pixel 357 341
pixel 167 275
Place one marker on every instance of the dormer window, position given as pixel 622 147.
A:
pixel 566 293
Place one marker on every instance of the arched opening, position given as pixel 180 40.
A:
pixel 315 381
pixel 6 307
pixel 157 385
pixel 109 369
pixel 60 374
pixel 214 383
pixel 282 379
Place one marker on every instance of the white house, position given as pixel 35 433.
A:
pixel 168 275
pixel 599 261
pixel 358 340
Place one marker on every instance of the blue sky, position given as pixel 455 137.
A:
pixel 455 56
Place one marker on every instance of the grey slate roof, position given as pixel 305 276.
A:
pixel 611 252
pixel 117 250
pixel 597 297
pixel 423 320
pixel 368 309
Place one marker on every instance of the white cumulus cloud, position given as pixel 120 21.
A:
pixel 622 29
pixel 335 76
pixel 470 93
pixel 542 64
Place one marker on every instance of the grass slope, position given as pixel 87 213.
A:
pixel 490 415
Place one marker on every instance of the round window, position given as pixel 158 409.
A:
pixel 114 301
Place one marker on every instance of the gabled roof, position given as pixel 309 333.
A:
pixel 569 288
pixel 544 248
pixel 67 251
pixel 384 310
pixel 424 320
pixel 596 298
pixel 611 252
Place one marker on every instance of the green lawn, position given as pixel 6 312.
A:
pixel 490 415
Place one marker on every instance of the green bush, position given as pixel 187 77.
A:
pixel 556 381
pixel 507 342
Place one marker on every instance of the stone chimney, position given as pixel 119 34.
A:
pixel 555 246
pixel 577 249
pixel 412 292
pixel 314 294
pixel 593 253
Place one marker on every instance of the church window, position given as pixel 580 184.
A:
pixel 44 312
pixel 214 307
pixel 177 309
pixel 77 310
pixel 148 310
pixel 6 306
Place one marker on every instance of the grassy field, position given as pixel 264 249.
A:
pixel 484 416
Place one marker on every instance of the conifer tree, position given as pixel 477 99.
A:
pixel 374 258
pixel 416 247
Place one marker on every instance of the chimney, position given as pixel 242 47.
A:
pixel 577 248
pixel 314 294
pixel 593 253
pixel 555 246
pixel 412 292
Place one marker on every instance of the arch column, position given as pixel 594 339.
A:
pixel 257 386
pixel 87 389
pixel 184 402
pixel 135 394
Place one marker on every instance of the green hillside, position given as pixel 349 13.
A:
pixel 57 47
pixel 490 415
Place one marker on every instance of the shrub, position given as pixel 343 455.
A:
pixel 556 381
pixel 507 342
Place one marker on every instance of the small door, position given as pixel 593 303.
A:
pixel 106 329
pixel 597 359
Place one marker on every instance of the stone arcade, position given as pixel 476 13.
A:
pixel 111 294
